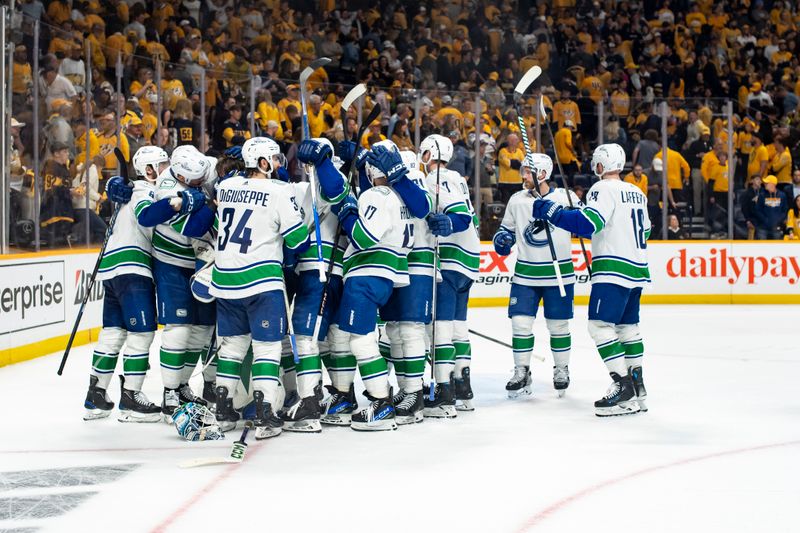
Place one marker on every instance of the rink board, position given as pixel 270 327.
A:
pixel 40 294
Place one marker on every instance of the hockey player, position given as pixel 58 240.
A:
pixel 179 213
pixel 379 228
pixel 408 312
pixel 459 255
pixel 304 415
pixel 616 219
pixel 255 220
pixel 129 305
pixel 534 276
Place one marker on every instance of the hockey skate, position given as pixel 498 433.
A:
pixel 303 416
pixel 463 392
pixel 186 395
pixel 561 379
pixel 619 400
pixel 409 409
pixel 338 407
pixel 379 415
pixel 134 406
pixel 638 386
pixel 170 402
pixel 97 402
pixel 520 383
pixel 208 393
pixel 267 424
pixel 443 404
pixel 226 415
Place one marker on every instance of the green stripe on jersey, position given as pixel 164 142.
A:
pixel 179 224
pixel 141 206
pixel 311 253
pixel 129 256
pixel 246 276
pixel 453 253
pixel 376 258
pixel 160 243
pixel 340 197
pixel 361 237
pixel 420 257
pixel 528 271
pixel 458 208
pixel 296 237
pixel 595 219
pixel 608 265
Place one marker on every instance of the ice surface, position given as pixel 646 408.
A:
pixel 718 451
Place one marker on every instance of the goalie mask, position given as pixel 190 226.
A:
pixel 196 422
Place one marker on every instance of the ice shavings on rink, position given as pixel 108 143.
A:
pixel 717 451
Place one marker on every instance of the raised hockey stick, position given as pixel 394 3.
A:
pixel 123 170
pixel 529 77
pixel 312 174
pixel 564 182
pixel 354 94
pixel 432 388
pixel 236 456
pixel 501 343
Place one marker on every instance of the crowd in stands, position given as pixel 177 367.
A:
pixel 437 66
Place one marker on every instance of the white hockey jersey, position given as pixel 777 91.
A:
pixel 534 266
pixel 460 251
pixel 420 258
pixel 169 244
pixel 381 238
pixel 129 246
pixel 255 218
pixel 618 212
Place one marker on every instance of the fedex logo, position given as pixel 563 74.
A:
pixel 492 262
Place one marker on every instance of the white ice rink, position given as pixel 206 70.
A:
pixel 719 449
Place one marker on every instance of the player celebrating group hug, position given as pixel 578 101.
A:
pixel 288 278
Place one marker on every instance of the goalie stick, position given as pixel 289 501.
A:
pixel 235 456
pixel 123 170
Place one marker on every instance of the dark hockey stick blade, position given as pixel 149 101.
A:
pixel 373 114
pixel 309 70
pixel 123 165
pixel 533 73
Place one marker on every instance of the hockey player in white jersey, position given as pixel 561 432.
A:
pixel 129 304
pixel 535 279
pixel 409 310
pixel 616 219
pixel 453 223
pixel 255 220
pixel 304 415
pixel 379 228
pixel 179 214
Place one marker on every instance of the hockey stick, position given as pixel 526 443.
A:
pixel 431 389
pixel 312 175
pixel 354 94
pixel 501 343
pixel 564 181
pixel 529 77
pixel 289 326
pixel 236 456
pixel 123 170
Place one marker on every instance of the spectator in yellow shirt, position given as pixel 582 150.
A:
pixel 510 160
pixel 716 176
pixel 565 151
pixel 171 88
pixel 234 131
pixel 107 140
pixel 781 164
pixel 677 175
pixel 320 116
pixel 758 162
pixel 565 109
pixel 638 178
pixel 793 220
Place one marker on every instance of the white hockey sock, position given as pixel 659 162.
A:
pixel 174 345
pixel 309 370
pixel 631 339
pixel 462 346
pixel 232 351
pixel 196 349
pixel 395 347
pixel 560 341
pixel 444 351
pixel 605 337
pixel 343 363
pixel 522 339
pixel 106 353
pixel 266 367
pixel 414 343
pixel 136 358
pixel 371 366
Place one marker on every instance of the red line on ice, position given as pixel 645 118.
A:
pixel 552 509
pixel 203 491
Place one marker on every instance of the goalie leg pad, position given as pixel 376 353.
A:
pixel 136 358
